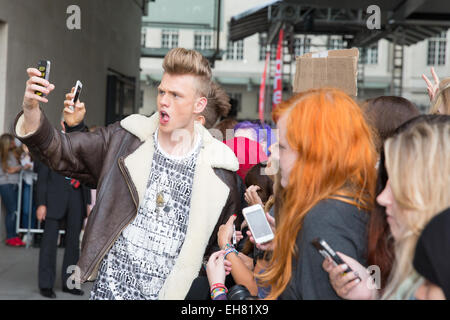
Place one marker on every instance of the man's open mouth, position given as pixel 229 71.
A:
pixel 164 117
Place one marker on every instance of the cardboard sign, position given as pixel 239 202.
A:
pixel 333 68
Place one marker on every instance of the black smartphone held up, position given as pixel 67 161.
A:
pixel 326 251
pixel 78 88
pixel 44 69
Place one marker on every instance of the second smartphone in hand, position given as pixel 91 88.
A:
pixel 78 88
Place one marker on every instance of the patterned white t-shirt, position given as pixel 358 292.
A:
pixel 143 256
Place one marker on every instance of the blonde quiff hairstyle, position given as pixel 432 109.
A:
pixel 418 165
pixel 180 61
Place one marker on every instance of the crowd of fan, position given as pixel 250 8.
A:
pixel 372 178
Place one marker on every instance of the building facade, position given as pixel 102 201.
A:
pixel 240 69
pixel 96 42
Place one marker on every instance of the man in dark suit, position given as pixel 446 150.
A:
pixel 59 198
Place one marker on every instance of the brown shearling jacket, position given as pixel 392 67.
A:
pixel 116 160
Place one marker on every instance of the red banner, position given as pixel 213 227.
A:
pixel 278 80
pixel 262 90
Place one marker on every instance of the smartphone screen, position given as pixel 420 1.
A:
pixel 258 224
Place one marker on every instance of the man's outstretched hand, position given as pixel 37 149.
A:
pixel 73 117
pixel 31 100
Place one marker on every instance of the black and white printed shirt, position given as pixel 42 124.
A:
pixel 143 256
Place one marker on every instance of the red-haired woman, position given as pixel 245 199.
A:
pixel 327 168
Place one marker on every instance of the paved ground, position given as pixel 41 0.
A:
pixel 19 274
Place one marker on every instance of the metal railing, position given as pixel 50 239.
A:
pixel 28 230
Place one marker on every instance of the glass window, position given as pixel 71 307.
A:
pixel 436 54
pixel 202 41
pixel 336 44
pixel 372 54
pixel 235 50
pixel 301 45
pixel 169 39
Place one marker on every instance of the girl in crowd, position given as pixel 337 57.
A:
pixel 418 169
pixel 385 114
pixel 9 180
pixel 327 173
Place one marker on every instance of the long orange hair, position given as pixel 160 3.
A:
pixel 336 159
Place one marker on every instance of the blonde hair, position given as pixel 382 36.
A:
pixel 418 165
pixel 442 99
pixel 180 61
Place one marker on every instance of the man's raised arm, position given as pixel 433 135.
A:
pixel 31 111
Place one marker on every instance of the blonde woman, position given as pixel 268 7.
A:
pixel 418 167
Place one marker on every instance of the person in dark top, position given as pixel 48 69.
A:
pixel 60 199
pixel 429 261
pixel 327 173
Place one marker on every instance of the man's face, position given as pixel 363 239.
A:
pixel 178 102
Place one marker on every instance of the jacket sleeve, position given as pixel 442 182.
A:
pixel 77 155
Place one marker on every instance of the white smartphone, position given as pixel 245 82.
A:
pixel 78 88
pixel 258 224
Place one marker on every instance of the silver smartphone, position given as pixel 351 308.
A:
pixel 78 88
pixel 258 224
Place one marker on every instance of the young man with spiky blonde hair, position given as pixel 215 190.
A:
pixel 165 185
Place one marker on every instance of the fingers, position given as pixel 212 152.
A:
pixel 69 106
pixel 38 80
pixel 70 96
pixel 340 279
pixel 327 265
pixel 213 257
pixel 239 236
pixel 435 76
pixel 36 83
pixel 424 77
pixel 33 72
pixel 231 220
pixel 228 266
pixel 31 95
pixel 349 286
pixel 35 87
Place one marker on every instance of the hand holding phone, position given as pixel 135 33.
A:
pixel 74 116
pixel 78 87
pixel 38 85
pixel 44 69
pixel 258 224
pixel 327 252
